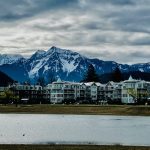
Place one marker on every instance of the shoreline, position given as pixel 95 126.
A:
pixel 70 147
pixel 120 110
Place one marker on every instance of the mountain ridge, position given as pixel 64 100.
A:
pixel 10 58
pixel 64 64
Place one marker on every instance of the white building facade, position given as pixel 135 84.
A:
pixel 127 92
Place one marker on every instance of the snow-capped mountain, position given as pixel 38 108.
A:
pixel 61 63
pixel 56 62
pixel 143 67
pixel 9 58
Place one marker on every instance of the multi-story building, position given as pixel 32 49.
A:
pixel 101 92
pixel 66 92
pixel 34 93
pixel 117 92
pixel 93 92
pixel 129 91
pixel 57 92
pixel 135 91
pixel 47 92
pixel 109 88
pixel 82 93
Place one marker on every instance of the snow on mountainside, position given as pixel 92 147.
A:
pixel 9 58
pixel 143 67
pixel 61 63
pixel 55 61
pixel 67 58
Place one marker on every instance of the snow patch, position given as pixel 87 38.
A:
pixel 9 58
pixel 46 68
pixel 34 71
pixel 69 67
pixel 141 69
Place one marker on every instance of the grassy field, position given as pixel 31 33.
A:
pixel 78 109
pixel 70 147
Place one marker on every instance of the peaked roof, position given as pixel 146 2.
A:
pixel 130 78
pixel 59 80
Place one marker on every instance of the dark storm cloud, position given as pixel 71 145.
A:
pixel 11 17
pixel 18 9
pixel 49 28
pixel 131 20
pixel 115 2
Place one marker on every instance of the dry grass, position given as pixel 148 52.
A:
pixel 70 147
pixel 78 109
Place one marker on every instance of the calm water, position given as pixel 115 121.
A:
pixel 77 129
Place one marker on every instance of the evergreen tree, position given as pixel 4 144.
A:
pixel 91 75
pixel 5 80
pixel 117 76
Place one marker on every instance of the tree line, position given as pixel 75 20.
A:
pixel 92 76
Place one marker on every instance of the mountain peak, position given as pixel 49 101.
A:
pixel 38 54
pixel 40 51
pixel 55 49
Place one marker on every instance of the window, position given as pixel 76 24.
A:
pixel 125 95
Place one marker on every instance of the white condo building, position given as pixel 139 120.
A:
pixel 128 92
pixel 132 90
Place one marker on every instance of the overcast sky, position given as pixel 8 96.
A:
pixel 116 30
